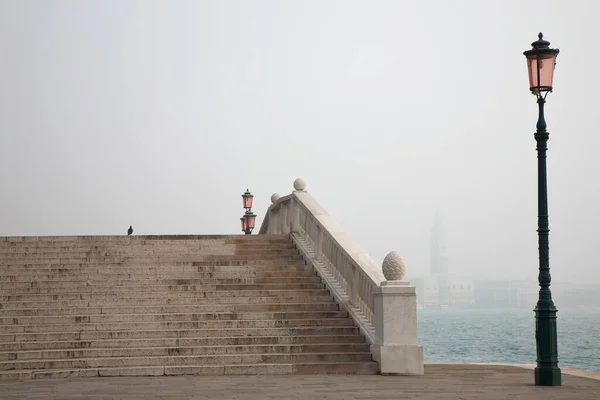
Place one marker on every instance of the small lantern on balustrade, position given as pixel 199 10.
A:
pixel 249 222
pixel 247 200
pixel 243 221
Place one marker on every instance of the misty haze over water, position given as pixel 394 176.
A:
pixel 160 114
pixel 507 336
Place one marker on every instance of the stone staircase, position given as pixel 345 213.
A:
pixel 169 305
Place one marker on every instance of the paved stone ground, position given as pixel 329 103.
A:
pixel 441 381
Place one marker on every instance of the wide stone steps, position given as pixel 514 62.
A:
pixel 164 305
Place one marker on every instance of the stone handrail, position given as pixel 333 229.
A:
pixel 354 279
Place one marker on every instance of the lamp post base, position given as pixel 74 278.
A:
pixel 547 372
pixel 547 376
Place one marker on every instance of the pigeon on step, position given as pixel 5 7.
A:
pixel 129 231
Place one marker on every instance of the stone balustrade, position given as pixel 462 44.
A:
pixel 381 303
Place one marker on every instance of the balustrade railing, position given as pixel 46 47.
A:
pixel 350 271
pixel 380 302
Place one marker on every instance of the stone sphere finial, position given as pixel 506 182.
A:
pixel 299 185
pixel 275 197
pixel 393 267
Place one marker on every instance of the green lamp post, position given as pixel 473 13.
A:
pixel 541 60
pixel 248 220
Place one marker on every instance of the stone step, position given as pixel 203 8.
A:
pixel 61 354
pixel 221 359
pixel 187 266
pixel 147 250
pixel 158 274
pixel 185 342
pixel 83 288
pixel 112 301
pixel 173 308
pixel 276 274
pixel 102 256
pixel 145 244
pixel 115 239
pixel 206 316
pixel 190 266
pixel 169 295
pixel 181 272
pixel 165 247
pixel 245 254
pixel 100 243
pixel 181 333
pixel 173 325
pixel 362 368
pixel 228 280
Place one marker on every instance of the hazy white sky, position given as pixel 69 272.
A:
pixel 160 114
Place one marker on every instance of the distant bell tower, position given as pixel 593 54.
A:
pixel 438 260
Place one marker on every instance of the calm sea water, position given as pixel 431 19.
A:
pixel 507 336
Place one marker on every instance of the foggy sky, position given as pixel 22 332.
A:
pixel 160 114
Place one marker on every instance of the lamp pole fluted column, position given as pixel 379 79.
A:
pixel 541 60
pixel 547 372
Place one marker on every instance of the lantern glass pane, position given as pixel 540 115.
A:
pixel 251 221
pixel 546 64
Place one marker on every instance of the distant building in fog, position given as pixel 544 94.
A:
pixel 438 258
pixel 445 291
pixel 441 289
pixel 505 294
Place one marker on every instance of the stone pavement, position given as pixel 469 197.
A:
pixel 441 381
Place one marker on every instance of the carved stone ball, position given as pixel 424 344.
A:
pixel 275 197
pixel 299 184
pixel 393 267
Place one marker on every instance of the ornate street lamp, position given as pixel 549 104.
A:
pixel 541 60
pixel 248 220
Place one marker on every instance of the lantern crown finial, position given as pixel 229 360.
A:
pixel 540 43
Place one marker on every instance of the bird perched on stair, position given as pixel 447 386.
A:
pixel 129 231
